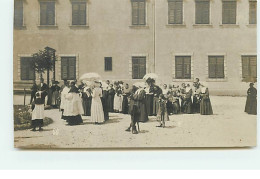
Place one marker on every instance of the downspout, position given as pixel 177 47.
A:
pixel 154 37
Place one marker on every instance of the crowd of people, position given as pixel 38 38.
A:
pixel 143 99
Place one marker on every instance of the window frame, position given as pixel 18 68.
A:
pixel 244 79
pixel 182 13
pixel 249 13
pixel 209 13
pixel 138 17
pixel 22 24
pixel 86 13
pixel 61 69
pixel 145 67
pixel 216 67
pixel 183 65
pixel 110 65
pixel 222 20
pixel 20 69
pixel 55 14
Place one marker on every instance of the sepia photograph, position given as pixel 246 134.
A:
pixel 134 74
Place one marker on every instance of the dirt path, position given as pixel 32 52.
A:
pixel 224 128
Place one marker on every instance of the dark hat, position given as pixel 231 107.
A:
pixel 74 89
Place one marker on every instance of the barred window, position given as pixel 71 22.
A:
pixel 68 68
pixel 27 70
pixel 79 11
pixel 138 12
pixel 249 68
pixel 216 67
pixel 108 63
pixel 175 11
pixel 183 67
pixel 202 11
pixel 252 12
pixel 138 67
pixel 47 13
pixel 18 13
pixel 229 11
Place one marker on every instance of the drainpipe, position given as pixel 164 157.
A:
pixel 154 36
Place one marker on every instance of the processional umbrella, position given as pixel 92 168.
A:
pixel 150 75
pixel 90 77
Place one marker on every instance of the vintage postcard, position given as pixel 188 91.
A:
pixel 97 74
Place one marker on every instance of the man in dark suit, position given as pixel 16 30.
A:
pixel 44 88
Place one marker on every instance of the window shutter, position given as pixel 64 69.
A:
pixel 64 68
pixel 18 13
pixel 82 17
pixel 212 67
pixel 187 67
pixel 142 68
pixel 141 13
pixel 229 9
pixel 135 69
pixel 72 68
pixel 245 67
pixel 51 13
pixel 202 12
pixel 27 71
pixel 220 67
pixel 108 63
pixel 23 69
pixel 43 13
pixel 175 12
pixel 134 12
pixel 178 67
pixel 75 14
pixel 253 66
pixel 252 12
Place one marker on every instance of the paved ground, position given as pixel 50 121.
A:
pixel 228 127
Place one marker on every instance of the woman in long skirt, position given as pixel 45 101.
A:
pixel 143 117
pixel 105 103
pixel 157 92
pixel 196 98
pixel 97 113
pixel 187 102
pixel 73 106
pixel 251 101
pixel 118 99
pixel 86 101
pixel 110 99
pixel 64 92
pixel 55 95
pixel 205 104
pixel 126 94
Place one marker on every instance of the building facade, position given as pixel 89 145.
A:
pixel 180 40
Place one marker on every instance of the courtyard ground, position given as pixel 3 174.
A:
pixel 228 127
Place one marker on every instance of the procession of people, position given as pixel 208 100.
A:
pixel 96 98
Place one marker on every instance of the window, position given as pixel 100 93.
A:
pixel 79 13
pixel 138 12
pixel 138 67
pixel 108 63
pixel 249 68
pixel 229 12
pixel 27 70
pixel 18 13
pixel 216 67
pixel 252 12
pixel 175 11
pixel 183 67
pixel 68 68
pixel 202 11
pixel 47 13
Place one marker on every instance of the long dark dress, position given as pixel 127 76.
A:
pixel 205 104
pixel 110 100
pixel 86 102
pixel 125 106
pixel 157 92
pixel 175 103
pixel 104 100
pixel 143 117
pixel 251 101
pixel 196 101
pixel 187 102
pixel 149 101
pixel 55 96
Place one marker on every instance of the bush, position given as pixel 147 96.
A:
pixel 22 118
